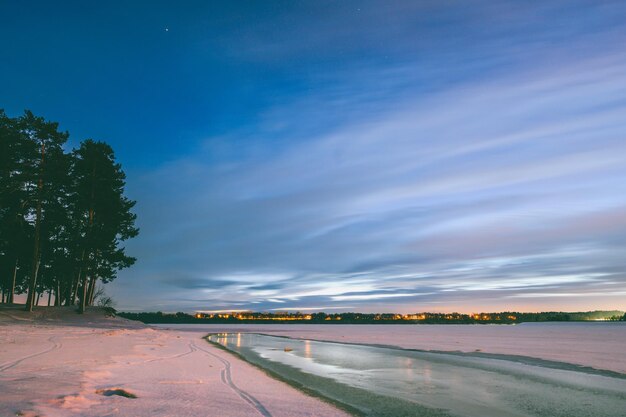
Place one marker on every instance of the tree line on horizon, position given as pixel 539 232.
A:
pixel 63 214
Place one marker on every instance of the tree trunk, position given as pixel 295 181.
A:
pixel 82 279
pixel 32 294
pixel 92 291
pixel 80 271
pixel 83 299
pixel 74 293
pixel 75 289
pixel 33 276
pixel 32 284
pixel 49 296
pixel 71 295
pixel 57 295
pixel 12 293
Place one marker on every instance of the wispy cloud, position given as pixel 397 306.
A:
pixel 482 189
pixel 364 297
pixel 316 308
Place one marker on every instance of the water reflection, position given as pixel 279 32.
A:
pixel 463 386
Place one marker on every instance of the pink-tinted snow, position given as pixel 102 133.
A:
pixel 63 366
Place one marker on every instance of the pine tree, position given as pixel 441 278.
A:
pixel 15 231
pixel 43 164
pixel 103 214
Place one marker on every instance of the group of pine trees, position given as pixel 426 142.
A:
pixel 63 215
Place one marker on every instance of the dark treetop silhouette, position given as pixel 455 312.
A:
pixel 62 215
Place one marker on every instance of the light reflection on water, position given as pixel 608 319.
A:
pixel 460 385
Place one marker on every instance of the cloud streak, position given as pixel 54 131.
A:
pixel 486 188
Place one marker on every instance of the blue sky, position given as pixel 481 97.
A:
pixel 364 156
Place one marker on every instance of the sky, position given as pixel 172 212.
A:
pixel 396 156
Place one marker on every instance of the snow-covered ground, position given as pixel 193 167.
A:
pixel 61 364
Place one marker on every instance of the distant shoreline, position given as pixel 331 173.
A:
pixel 374 318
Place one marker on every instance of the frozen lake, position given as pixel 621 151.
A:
pixel 381 381
pixel 594 344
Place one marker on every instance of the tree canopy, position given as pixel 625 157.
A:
pixel 63 215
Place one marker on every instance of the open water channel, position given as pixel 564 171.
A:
pixel 380 381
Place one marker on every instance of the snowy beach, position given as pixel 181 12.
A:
pixel 67 365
